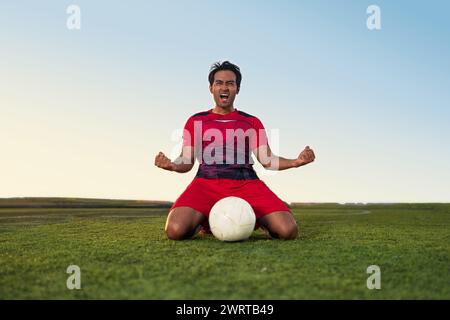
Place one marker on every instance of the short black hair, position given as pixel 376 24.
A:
pixel 225 65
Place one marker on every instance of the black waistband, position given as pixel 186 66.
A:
pixel 226 171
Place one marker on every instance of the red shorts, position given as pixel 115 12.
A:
pixel 203 193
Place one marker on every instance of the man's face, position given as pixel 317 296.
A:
pixel 224 88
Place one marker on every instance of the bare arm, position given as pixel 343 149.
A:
pixel 183 163
pixel 271 161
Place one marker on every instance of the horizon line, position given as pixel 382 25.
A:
pixel 170 201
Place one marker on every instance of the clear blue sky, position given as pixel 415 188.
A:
pixel 84 112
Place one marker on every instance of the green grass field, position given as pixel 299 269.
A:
pixel 123 254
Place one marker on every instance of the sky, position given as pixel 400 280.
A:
pixel 83 112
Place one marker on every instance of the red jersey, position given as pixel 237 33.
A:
pixel 223 143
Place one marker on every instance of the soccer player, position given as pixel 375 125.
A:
pixel 222 140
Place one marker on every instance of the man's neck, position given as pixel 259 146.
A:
pixel 223 111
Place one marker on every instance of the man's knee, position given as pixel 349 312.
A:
pixel 280 225
pixel 176 231
pixel 182 223
pixel 288 231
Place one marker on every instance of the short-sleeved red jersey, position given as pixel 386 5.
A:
pixel 223 143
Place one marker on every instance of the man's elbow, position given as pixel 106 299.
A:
pixel 186 168
pixel 266 164
pixel 271 163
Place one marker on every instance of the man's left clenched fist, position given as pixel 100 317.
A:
pixel 305 157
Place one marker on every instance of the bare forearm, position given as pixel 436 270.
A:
pixel 280 163
pixel 181 168
pixel 182 165
pixel 271 161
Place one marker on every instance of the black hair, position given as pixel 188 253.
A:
pixel 226 65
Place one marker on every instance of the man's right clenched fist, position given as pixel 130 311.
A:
pixel 161 161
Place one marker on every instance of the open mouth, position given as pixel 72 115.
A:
pixel 224 97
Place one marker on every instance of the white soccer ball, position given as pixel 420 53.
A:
pixel 232 219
